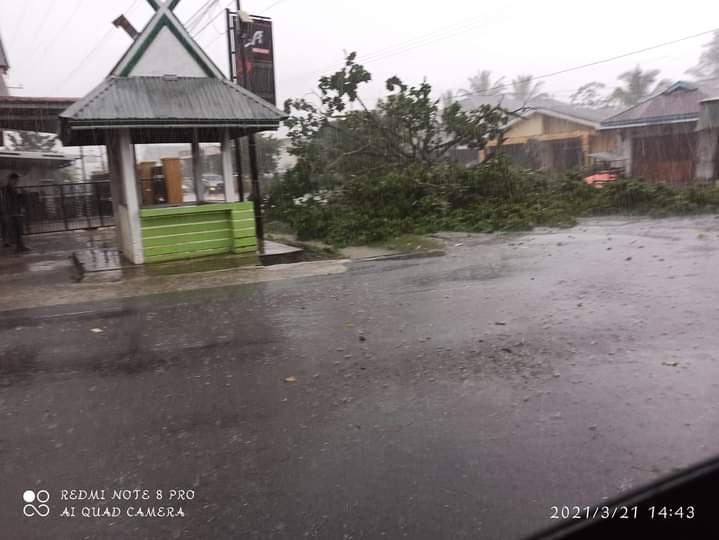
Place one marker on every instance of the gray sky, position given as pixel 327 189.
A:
pixel 66 47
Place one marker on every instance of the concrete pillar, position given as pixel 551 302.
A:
pixel 231 194
pixel 625 149
pixel 197 167
pixel 129 204
pixel 707 140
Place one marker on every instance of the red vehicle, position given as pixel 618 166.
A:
pixel 605 168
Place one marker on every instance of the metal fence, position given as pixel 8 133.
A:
pixel 67 207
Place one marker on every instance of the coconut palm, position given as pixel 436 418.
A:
pixel 638 85
pixel 708 66
pixel 481 84
pixel 524 89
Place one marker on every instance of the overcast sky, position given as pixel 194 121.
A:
pixel 66 47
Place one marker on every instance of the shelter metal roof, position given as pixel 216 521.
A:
pixel 167 103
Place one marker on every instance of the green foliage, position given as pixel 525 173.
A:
pixel 494 197
pixel 342 136
pixel 384 172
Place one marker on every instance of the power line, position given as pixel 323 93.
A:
pixel 265 10
pixel 419 41
pixel 196 17
pixel 43 21
pixel 604 61
pixel 95 48
pixel 20 20
pixel 212 19
pixel 411 44
pixel 59 32
pixel 273 4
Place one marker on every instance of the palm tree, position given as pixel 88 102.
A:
pixel 708 66
pixel 447 98
pixel 638 85
pixel 481 84
pixel 589 95
pixel 524 89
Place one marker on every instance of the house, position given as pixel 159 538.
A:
pixel 29 114
pixel 4 66
pixel 661 138
pixel 548 134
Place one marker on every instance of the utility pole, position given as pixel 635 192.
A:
pixel 232 52
pixel 252 147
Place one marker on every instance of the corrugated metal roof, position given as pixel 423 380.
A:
pixel 544 105
pixel 168 101
pixel 32 114
pixel 678 103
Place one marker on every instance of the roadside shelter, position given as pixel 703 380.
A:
pixel 166 89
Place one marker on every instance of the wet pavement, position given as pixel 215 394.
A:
pixel 448 397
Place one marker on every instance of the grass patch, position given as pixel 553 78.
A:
pixel 410 242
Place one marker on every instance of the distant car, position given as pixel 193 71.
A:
pixel 214 183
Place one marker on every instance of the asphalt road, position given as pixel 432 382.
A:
pixel 443 398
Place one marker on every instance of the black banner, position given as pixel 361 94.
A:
pixel 259 59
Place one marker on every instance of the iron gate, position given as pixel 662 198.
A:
pixel 67 207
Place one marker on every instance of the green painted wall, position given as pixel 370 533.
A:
pixel 185 232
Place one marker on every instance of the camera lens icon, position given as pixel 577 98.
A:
pixel 41 497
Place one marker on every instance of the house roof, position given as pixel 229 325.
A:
pixel 4 64
pixel 170 103
pixel 32 113
pixel 548 106
pixel 22 160
pixel 677 104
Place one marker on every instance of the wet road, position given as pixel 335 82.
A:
pixel 453 397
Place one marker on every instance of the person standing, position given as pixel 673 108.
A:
pixel 14 210
pixel 4 224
